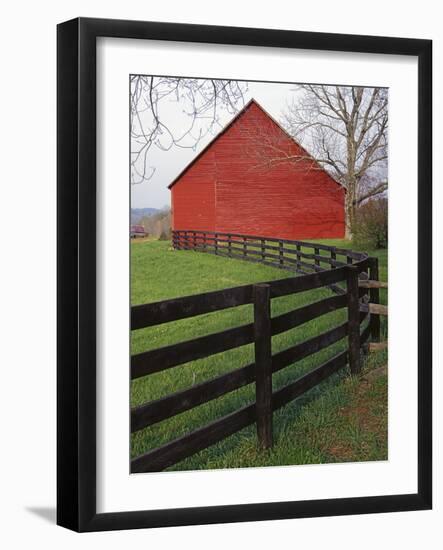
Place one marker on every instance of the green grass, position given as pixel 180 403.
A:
pixel 158 272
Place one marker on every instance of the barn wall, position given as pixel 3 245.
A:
pixel 252 195
pixel 193 196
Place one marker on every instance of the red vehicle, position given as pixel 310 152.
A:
pixel 138 231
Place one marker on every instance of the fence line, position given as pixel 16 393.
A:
pixel 352 296
pixel 255 249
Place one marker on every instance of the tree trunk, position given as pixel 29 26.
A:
pixel 351 182
pixel 349 211
pixel 348 225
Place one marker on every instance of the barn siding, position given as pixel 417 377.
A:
pixel 193 196
pixel 228 189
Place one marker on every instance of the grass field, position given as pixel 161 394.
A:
pixel 325 425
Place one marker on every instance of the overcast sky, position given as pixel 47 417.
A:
pixel 168 164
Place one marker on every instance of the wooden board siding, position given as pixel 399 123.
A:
pixel 193 197
pixel 229 187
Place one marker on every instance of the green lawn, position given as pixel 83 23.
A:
pixel 158 272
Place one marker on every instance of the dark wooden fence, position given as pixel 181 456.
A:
pixel 342 276
pixel 300 257
pixel 282 253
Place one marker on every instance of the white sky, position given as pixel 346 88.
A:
pixel 168 164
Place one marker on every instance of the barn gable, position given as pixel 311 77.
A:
pixel 245 181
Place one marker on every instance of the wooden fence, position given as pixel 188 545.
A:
pixel 281 253
pixel 342 276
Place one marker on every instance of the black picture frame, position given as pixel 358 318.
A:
pixel 76 264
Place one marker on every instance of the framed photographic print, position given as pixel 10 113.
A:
pixel 235 205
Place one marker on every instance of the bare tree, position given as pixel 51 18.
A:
pixel 171 112
pixel 345 130
pixel 158 223
pixel 347 127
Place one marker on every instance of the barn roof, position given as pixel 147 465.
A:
pixel 228 125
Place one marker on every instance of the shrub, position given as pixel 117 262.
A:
pixel 164 236
pixel 371 224
pixel 158 224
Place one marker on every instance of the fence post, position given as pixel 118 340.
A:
pixel 353 320
pixel 333 257
pixel 229 245
pixel 317 253
pixel 244 246
pixel 216 243
pixel 280 252
pixel 298 247
pixel 374 298
pixel 263 250
pixel 263 364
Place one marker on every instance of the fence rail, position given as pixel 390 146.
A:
pixel 242 246
pixel 344 277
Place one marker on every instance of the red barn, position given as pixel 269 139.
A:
pixel 254 179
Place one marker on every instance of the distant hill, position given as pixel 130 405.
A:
pixel 138 213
